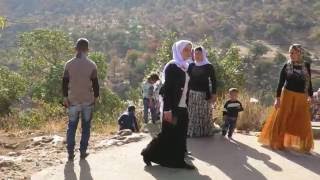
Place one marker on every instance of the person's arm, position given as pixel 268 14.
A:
pixel 168 94
pixel 225 110
pixel 168 89
pixel 95 83
pixel 65 86
pixel 241 107
pixel 310 89
pixel 213 81
pixel 282 80
pixel 120 121
pixel 136 124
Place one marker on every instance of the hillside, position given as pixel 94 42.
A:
pixel 131 38
pixel 277 22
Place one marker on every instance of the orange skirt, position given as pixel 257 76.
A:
pixel 289 126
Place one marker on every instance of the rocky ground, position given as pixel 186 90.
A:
pixel 22 154
pixel 25 153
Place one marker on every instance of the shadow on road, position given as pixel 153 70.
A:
pixel 69 173
pixel 85 172
pixel 231 157
pixel 162 173
pixel 310 162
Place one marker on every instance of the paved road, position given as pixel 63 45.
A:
pixel 216 158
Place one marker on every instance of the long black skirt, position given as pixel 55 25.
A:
pixel 169 147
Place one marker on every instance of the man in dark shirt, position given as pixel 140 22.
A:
pixel 230 112
pixel 128 120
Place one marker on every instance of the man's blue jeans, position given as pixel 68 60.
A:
pixel 85 111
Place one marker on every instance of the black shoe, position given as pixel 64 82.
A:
pixel 84 155
pixel 70 157
pixel 187 153
pixel 147 161
pixel 187 166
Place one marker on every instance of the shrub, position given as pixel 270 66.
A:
pixel 36 117
pixel 109 107
pixel 258 49
pixel 12 87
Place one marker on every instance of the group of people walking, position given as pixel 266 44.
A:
pixel 188 91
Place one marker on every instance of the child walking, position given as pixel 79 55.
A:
pixel 230 112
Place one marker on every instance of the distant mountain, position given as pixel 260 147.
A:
pixel 276 21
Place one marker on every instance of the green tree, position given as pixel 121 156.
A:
pixel 279 58
pixel 132 57
pixel 43 54
pixel 12 87
pixel 230 71
pixel 101 61
pixel 163 54
pixel 258 49
pixel 3 22
pixel 276 32
pixel 108 107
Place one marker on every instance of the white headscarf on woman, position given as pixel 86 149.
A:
pixel 177 49
pixel 205 58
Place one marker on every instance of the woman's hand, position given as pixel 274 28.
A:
pixel 310 99
pixel 277 103
pixel 66 103
pixel 167 116
pixel 213 98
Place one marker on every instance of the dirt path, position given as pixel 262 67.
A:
pixel 216 158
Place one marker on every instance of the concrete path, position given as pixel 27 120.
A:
pixel 216 158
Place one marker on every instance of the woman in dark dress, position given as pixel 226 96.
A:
pixel 202 95
pixel 169 147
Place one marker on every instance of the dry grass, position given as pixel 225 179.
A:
pixel 105 128
pixel 54 126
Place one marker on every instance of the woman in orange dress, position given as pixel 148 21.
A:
pixel 289 125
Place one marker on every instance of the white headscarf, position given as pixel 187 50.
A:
pixel 205 58
pixel 177 49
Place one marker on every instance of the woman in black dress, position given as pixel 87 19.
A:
pixel 169 147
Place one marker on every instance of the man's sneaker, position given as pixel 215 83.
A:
pixel 84 155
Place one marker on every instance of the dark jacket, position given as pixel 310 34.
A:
pixel 128 121
pixel 172 88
